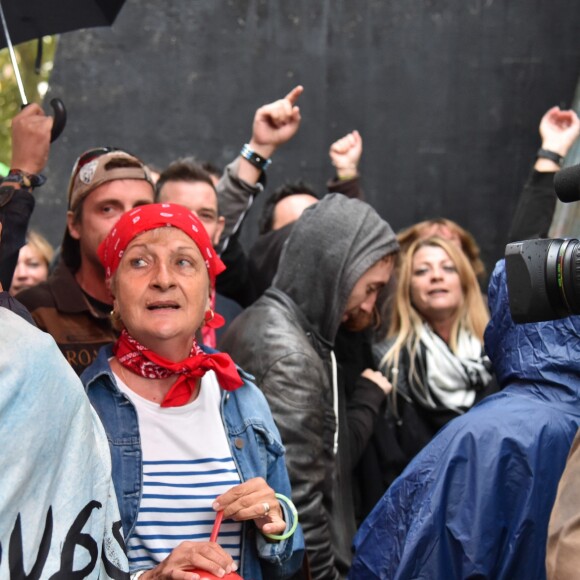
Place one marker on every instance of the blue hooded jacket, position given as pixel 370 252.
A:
pixel 475 503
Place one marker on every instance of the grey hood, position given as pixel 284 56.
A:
pixel 331 246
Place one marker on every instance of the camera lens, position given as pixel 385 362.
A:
pixel 571 277
pixel 543 279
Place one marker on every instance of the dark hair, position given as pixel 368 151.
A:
pixel 184 169
pixel 292 188
pixel 212 169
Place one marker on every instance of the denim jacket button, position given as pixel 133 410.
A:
pixel 239 443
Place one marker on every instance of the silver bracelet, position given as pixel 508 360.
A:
pixel 137 575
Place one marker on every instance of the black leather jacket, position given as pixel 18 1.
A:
pixel 284 354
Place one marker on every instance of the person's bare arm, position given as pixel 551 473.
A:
pixel 559 131
pixel 537 202
pixel 30 148
pixel 274 124
pixel 30 139
pixel 345 154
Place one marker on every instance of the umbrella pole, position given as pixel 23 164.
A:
pixel 13 58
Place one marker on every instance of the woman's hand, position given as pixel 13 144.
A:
pixel 559 130
pixel 253 500
pixel 379 379
pixel 192 555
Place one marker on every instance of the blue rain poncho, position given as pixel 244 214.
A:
pixel 475 503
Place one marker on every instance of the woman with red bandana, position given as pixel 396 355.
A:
pixel 189 434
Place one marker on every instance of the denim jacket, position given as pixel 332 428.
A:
pixel 255 445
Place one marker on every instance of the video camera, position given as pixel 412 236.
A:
pixel 543 275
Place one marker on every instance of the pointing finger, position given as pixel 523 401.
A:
pixel 293 95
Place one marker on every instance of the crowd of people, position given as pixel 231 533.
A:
pixel 351 402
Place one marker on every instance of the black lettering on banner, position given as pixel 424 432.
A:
pixel 16 552
pixel 75 538
pixel 110 568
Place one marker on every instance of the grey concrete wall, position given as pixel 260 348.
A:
pixel 447 95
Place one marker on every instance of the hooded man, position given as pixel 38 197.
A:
pixel 476 501
pixel 339 255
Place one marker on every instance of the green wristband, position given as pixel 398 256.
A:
pixel 294 512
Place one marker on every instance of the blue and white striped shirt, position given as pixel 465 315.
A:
pixel 187 463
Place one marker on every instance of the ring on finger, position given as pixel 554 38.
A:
pixel 266 508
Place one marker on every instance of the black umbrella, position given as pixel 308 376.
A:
pixel 29 19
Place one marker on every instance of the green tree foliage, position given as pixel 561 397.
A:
pixel 34 84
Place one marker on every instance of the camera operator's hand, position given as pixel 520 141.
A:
pixel 559 130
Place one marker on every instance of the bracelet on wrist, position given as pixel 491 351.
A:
pixel 288 502
pixel 551 155
pixel 26 180
pixel 254 158
pixel 346 176
pixel 137 575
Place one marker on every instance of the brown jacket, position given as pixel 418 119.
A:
pixel 60 308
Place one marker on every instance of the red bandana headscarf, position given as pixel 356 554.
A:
pixel 150 217
pixel 129 352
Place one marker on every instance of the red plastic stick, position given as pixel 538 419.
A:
pixel 214 534
pixel 216 526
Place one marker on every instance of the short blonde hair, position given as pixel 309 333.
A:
pixel 406 321
pixel 41 245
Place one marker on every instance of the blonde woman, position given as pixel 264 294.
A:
pixel 34 260
pixel 450 231
pixel 433 356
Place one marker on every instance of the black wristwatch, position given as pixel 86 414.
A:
pixel 26 180
pixel 551 155
pixel 254 158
